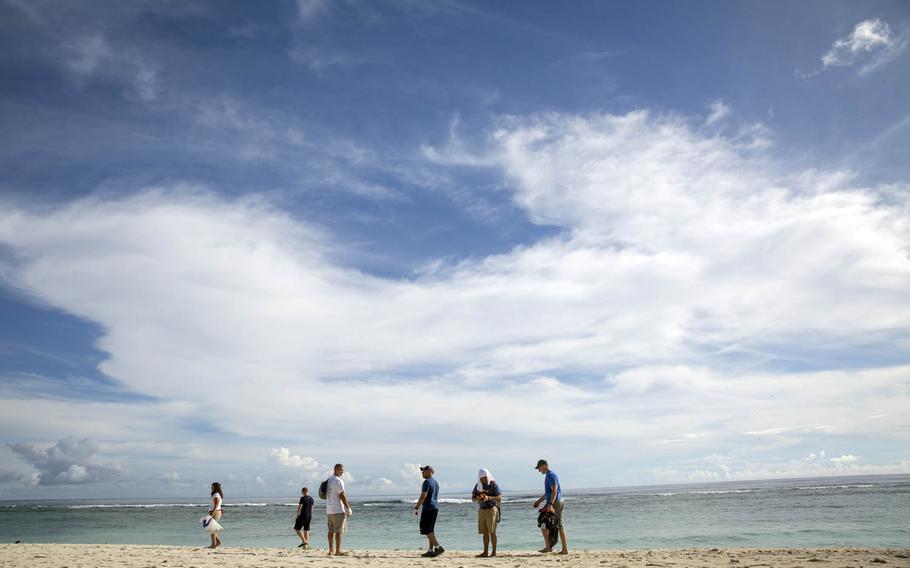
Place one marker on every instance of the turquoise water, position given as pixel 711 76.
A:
pixel 860 511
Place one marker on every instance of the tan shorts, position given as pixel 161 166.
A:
pixel 486 520
pixel 338 523
pixel 559 506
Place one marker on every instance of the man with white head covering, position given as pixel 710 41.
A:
pixel 488 498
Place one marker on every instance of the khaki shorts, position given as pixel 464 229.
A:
pixel 559 506
pixel 338 523
pixel 486 520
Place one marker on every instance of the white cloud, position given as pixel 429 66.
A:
pixel 844 459
pixel 91 57
pixel 679 251
pixel 867 36
pixel 66 462
pixel 870 45
pixel 713 468
pixel 283 456
pixel 719 111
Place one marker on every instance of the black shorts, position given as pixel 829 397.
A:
pixel 428 520
pixel 302 523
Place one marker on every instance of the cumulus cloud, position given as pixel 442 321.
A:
pixel 284 457
pixel 66 462
pixel 844 459
pixel 677 251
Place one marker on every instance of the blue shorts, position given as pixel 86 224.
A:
pixel 428 520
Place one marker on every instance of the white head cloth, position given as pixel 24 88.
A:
pixel 483 472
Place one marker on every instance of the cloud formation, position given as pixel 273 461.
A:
pixel 283 457
pixel 66 462
pixel 661 315
pixel 870 45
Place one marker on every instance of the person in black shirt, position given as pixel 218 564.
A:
pixel 304 516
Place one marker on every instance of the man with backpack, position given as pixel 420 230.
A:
pixel 337 508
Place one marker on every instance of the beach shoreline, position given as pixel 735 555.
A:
pixel 105 555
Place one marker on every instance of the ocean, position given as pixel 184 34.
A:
pixel 869 511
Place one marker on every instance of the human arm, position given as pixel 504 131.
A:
pixel 539 501
pixel 344 501
pixel 494 493
pixel 420 500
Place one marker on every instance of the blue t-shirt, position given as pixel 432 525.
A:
pixel 549 480
pixel 431 488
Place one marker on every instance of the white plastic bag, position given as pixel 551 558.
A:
pixel 210 524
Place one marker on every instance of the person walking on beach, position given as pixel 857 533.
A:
pixel 304 516
pixel 552 496
pixel 337 510
pixel 429 494
pixel 488 498
pixel 211 523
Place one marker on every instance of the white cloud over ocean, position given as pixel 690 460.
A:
pixel 871 45
pixel 686 265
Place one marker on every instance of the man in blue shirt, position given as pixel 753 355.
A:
pixel 552 496
pixel 429 499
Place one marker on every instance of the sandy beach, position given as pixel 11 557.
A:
pixel 92 555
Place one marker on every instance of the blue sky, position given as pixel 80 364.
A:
pixel 653 242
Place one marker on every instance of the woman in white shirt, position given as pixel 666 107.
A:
pixel 216 511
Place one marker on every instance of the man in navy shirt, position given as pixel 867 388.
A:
pixel 429 499
pixel 304 518
pixel 552 496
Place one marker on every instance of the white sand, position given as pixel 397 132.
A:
pixel 93 555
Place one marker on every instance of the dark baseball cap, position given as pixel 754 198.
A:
pixel 540 463
pixel 428 468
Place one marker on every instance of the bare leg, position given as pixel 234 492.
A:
pixel 486 545
pixel 493 541
pixel 300 534
pixel 331 543
pixel 546 540
pixel 306 538
pixel 564 540
pixel 432 538
pixel 338 543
